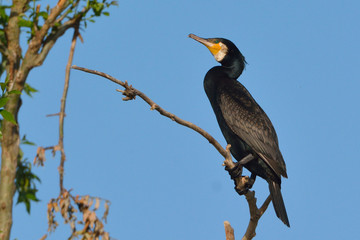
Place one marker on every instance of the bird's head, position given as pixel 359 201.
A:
pixel 223 50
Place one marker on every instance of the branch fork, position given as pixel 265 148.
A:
pixel 129 92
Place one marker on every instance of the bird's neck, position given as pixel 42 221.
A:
pixel 233 69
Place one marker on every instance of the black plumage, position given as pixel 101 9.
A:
pixel 242 121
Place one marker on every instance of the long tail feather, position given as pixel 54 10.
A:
pixel 278 202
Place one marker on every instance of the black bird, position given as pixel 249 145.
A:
pixel 254 143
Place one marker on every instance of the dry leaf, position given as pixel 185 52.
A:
pixel 106 236
pixel 86 214
pixel 86 200
pixel 43 237
pixel 92 218
pixel 91 202
pixel 106 205
pixel 97 204
pixel 40 157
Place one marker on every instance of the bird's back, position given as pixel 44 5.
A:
pixel 244 125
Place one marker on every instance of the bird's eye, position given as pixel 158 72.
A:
pixel 216 41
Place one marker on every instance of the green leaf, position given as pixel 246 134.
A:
pixel 4 18
pixel 7 116
pixel 106 13
pixel 26 142
pixel 3 101
pixel 27 204
pixel 25 183
pixel 3 86
pixel 97 8
pixel 15 92
pixel 114 3
pixel 25 23
pixel 32 196
pixel 44 15
pixel 29 90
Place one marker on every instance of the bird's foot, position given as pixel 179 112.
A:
pixel 236 171
pixel 244 183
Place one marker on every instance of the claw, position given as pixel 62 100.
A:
pixel 235 171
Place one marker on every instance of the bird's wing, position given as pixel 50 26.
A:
pixel 246 118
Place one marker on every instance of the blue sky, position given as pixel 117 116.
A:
pixel 167 182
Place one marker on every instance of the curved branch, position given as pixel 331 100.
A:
pixel 255 213
pixel 131 93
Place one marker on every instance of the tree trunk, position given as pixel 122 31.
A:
pixel 11 140
pixel 9 157
pixel 10 153
pixel 17 70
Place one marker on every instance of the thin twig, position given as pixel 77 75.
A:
pixel 229 231
pixel 54 114
pixel 265 205
pixel 67 12
pixel 63 105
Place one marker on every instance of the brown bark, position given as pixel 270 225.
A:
pixel 229 231
pixel 62 108
pixel 11 140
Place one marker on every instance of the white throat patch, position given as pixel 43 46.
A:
pixel 222 53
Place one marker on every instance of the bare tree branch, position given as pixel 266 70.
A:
pixel 74 4
pixel 39 36
pixel 229 231
pixel 54 114
pixel 63 105
pixel 255 213
pixel 131 93
pixel 51 39
pixel 41 44
pixel 265 205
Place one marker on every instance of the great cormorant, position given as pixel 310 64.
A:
pixel 242 121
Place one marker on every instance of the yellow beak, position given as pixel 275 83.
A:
pixel 213 47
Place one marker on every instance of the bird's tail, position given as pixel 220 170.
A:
pixel 278 202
